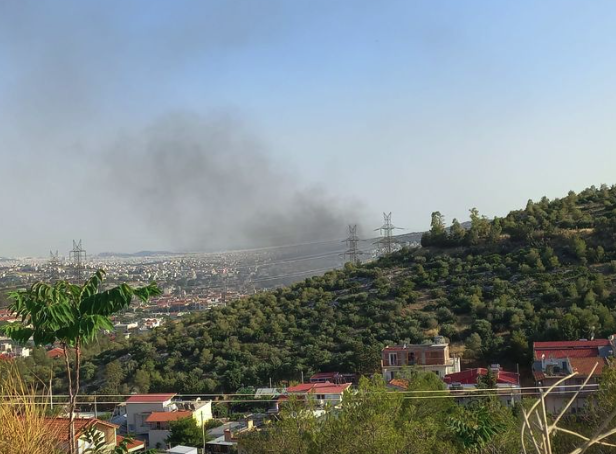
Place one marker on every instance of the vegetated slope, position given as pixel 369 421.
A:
pixel 545 272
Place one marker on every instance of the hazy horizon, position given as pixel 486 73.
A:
pixel 194 126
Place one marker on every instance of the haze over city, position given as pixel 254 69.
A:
pixel 209 125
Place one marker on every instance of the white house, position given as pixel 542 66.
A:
pixel 140 406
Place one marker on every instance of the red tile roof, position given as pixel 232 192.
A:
pixel 55 352
pixel 149 398
pixel 59 426
pixel 319 388
pixel 131 446
pixel 399 383
pixel 572 344
pixel 584 366
pixel 591 352
pixel 569 349
pixel 470 377
pixel 165 416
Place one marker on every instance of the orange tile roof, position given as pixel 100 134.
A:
pixel 131 446
pixel 319 388
pixel 164 416
pixel 584 366
pixel 59 426
pixel 55 352
pixel 149 398
pixel 399 383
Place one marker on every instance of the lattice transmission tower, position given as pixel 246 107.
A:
pixel 387 240
pixel 54 266
pixel 78 257
pixel 352 241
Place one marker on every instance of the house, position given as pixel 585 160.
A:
pixel 466 381
pixel 152 414
pixel 159 422
pixel 322 394
pixel 140 406
pixel 333 377
pixel 433 357
pixel 8 348
pixel 555 360
pixel 60 427
pixel 227 443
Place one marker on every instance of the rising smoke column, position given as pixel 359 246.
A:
pixel 206 183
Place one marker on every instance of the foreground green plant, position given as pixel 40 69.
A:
pixel 71 315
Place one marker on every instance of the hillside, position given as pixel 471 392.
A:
pixel 544 272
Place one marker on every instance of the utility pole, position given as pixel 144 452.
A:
pixel 78 256
pixel 387 239
pixel 54 266
pixel 353 251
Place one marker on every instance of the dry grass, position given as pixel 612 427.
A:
pixel 22 422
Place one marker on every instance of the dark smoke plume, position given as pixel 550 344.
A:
pixel 207 184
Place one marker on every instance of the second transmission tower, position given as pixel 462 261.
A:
pixel 387 240
pixel 78 256
pixel 352 241
pixel 54 266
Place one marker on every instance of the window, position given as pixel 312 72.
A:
pixel 412 358
pixel 393 359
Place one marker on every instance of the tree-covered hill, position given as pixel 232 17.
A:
pixel 542 273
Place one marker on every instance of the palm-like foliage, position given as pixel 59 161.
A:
pixel 72 315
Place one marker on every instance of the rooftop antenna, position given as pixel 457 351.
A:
pixel 387 239
pixel 78 256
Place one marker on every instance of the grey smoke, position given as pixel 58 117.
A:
pixel 205 183
pixel 79 73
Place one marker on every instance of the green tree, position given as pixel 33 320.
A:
pixel 473 345
pixel 457 233
pixel 114 375
pixel 438 233
pixel 186 432
pixel 72 315
pixel 519 346
pixel 142 380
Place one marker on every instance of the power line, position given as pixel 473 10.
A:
pixel 490 391
pixel 445 394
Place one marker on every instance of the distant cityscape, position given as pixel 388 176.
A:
pixel 192 281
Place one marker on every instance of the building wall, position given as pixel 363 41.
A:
pixel 136 414
pixel 451 367
pixel 204 413
pixel 555 402
pixel 156 438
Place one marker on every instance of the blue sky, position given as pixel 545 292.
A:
pixel 403 106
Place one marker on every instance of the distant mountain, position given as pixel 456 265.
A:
pixel 137 254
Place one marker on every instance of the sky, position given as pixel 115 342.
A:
pixel 214 124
